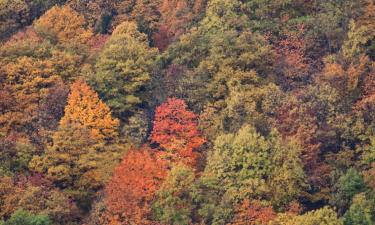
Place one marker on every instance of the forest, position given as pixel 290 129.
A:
pixel 187 112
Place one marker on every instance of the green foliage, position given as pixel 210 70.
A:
pixel 247 165
pixel 124 70
pixel 324 215
pixel 361 211
pixel 348 185
pixel 174 204
pixel 21 217
pixel 15 155
pixel 282 95
pixel 356 41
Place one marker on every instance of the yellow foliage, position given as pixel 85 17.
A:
pixel 85 109
pixel 64 25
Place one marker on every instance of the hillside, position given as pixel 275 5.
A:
pixel 187 112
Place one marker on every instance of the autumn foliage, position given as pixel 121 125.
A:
pixel 187 112
pixel 175 130
pixel 253 213
pixel 63 24
pixel 84 108
pixel 79 149
pixel 130 192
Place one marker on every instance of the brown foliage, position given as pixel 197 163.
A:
pixel 175 18
pixel 36 195
pixel 292 66
pixel 300 122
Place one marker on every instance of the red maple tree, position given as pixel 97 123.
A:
pixel 175 130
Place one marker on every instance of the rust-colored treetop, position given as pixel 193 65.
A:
pixel 175 129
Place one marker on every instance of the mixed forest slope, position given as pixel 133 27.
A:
pixel 173 112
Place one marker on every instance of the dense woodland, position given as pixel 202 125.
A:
pixel 182 112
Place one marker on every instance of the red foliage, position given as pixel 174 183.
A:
pixel 253 213
pixel 130 192
pixel 175 130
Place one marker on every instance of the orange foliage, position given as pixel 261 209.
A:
pixel 291 63
pixel 367 18
pixel 85 109
pixel 344 78
pixel 63 24
pixel 26 81
pixel 252 213
pixel 175 16
pixel 175 130
pixel 130 192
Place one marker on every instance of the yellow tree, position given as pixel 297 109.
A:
pixel 83 145
pixel 85 109
pixel 63 24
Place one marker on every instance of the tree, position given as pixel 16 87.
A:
pixel 15 14
pixel 80 148
pixel 84 108
pixel 21 217
pixel 36 195
pixel 147 15
pixel 348 185
pixel 174 203
pixel 51 109
pixel 366 19
pixel 292 67
pixel 30 69
pixel 96 12
pixel 131 190
pixel 361 212
pixel 246 165
pixel 64 25
pixel 249 165
pixel 175 130
pixel 124 70
pixel 324 215
pixel 305 117
pixel 25 85
pixel 15 154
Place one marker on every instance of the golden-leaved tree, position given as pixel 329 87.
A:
pixel 83 144
pixel 64 25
